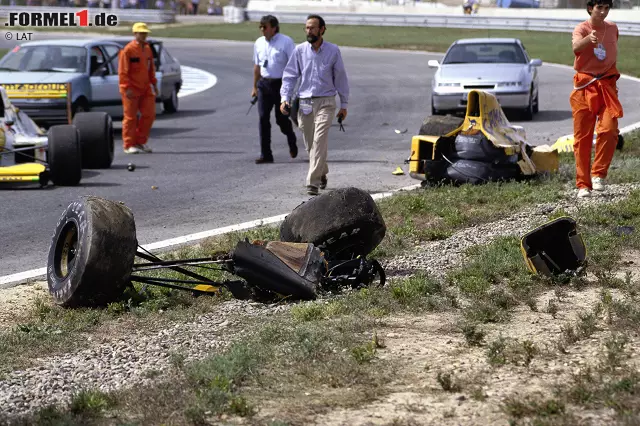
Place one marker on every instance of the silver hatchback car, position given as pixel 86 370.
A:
pixel 500 66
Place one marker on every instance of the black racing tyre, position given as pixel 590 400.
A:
pixel 64 155
pixel 92 252
pixel 438 125
pixel 476 172
pixel 96 139
pixel 478 147
pixel 344 223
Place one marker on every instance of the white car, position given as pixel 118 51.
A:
pixel 500 66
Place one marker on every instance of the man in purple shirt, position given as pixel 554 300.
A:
pixel 318 64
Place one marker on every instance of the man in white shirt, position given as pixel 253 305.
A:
pixel 271 52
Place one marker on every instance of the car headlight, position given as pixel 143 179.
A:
pixel 510 84
pixel 448 84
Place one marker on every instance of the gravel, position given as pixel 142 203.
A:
pixel 125 360
pixel 130 358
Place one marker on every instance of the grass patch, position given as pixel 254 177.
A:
pixel 415 294
pixel 494 279
pixel 334 362
pixel 549 46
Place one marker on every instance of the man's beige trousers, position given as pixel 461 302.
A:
pixel 315 130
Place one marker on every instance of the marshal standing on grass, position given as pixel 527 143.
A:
pixel 319 65
pixel 595 96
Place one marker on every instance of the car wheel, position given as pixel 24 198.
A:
pixel 96 139
pixel 434 111
pixel 91 253
pixel 171 104
pixel 64 155
pixel 527 113
pixel 536 103
pixel 344 223
pixel 79 106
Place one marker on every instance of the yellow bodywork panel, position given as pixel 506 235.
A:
pixel 415 150
pixel 27 170
pixel 207 288
pixel 546 159
pixel 485 115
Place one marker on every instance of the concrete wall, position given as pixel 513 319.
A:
pixel 426 8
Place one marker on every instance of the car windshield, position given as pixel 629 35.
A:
pixel 46 58
pixel 485 53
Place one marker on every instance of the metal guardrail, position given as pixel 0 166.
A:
pixel 151 16
pixel 445 21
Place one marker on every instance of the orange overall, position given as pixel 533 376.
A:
pixel 595 99
pixel 137 72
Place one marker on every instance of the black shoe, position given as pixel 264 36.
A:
pixel 323 182
pixel 263 160
pixel 293 150
pixel 312 190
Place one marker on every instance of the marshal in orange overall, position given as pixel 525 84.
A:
pixel 594 99
pixel 138 88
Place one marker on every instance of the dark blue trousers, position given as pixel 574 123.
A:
pixel 268 98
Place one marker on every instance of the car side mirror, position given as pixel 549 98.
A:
pixel 535 62
pixel 433 63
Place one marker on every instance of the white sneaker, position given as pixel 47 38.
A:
pixel 145 148
pixel 597 183
pixel 133 150
pixel 584 192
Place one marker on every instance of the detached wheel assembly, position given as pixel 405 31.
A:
pixel 344 223
pixel 91 253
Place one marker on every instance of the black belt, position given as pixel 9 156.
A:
pixel 271 79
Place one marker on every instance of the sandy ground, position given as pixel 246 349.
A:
pixel 16 302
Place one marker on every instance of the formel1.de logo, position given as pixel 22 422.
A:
pixel 80 18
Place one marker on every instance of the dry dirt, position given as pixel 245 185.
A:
pixel 426 345
pixel 15 302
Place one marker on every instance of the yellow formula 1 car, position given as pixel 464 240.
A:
pixel 29 154
pixel 483 146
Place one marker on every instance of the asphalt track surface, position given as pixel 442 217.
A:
pixel 203 160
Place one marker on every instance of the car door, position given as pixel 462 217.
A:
pixel 104 79
pixel 171 73
pixel 162 70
